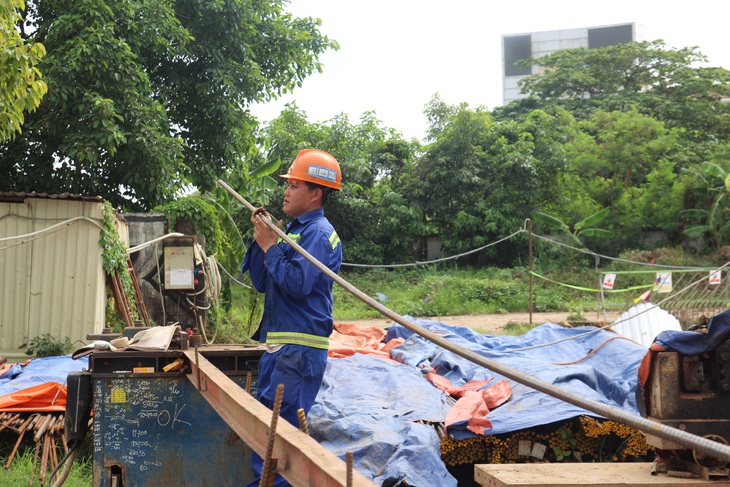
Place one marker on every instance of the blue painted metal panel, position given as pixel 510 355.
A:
pixel 156 429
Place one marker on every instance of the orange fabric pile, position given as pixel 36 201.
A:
pixel 348 339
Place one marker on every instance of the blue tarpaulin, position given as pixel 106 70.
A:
pixel 368 406
pixel 695 343
pixel 39 371
pixel 607 374
pixel 371 407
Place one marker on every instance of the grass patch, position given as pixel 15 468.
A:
pixel 25 469
pixel 518 329
pixel 434 292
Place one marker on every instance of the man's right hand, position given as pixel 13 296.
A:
pixel 262 233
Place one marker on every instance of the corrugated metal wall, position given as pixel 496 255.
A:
pixel 14 274
pixel 52 282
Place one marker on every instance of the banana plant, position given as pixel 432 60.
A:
pixel 584 228
pixel 717 225
pixel 256 187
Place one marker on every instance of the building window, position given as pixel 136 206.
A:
pixel 516 48
pixel 610 36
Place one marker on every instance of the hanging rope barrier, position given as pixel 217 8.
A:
pixel 607 257
pixel 435 261
pixel 592 290
pixel 683 290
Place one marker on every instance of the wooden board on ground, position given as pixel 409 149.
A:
pixel 579 475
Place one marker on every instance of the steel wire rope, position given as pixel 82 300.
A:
pixel 451 257
pixel 618 259
pixel 233 278
pixel 704 445
pixel 517 232
pixel 48 230
pixel 593 352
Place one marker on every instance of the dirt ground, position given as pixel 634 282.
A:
pixel 494 324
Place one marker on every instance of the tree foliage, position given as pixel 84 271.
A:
pixel 583 228
pixel 480 179
pixel 369 213
pixel 668 84
pixel 713 222
pixel 146 97
pixel 21 83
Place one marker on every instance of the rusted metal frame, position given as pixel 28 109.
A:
pixel 20 439
pixel 300 459
pixel 120 298
pixel 138 297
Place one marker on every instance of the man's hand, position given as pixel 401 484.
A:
pixel 262 234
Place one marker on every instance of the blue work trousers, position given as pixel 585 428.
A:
pixel 300 369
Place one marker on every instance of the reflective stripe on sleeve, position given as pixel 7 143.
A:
pixel 334 240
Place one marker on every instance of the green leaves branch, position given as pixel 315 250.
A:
pixel 584 228
pixel 114 257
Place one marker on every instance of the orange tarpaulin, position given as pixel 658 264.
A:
pixel 475 406
pixel 43 398
pixel 39 384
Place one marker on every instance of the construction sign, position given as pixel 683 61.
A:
pixel 663 283
pixel 608 281
pixel 715 278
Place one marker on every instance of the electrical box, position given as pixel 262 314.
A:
pixel 180 264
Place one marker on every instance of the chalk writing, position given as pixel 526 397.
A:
pixel 132 417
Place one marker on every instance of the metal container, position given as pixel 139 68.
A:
pixel 155 428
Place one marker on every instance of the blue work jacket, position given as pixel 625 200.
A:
pixel 298 304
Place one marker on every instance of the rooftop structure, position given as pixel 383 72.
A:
pixel 516 47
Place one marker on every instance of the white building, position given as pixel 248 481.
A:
pixel 537 44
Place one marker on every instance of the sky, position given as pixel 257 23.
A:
pixel 395 55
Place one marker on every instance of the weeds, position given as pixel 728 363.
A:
pixel 48 346
pixel 435 292
pixel 24 471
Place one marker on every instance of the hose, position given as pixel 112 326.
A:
pixel 67 462
pixel 215 278
pixel 704 445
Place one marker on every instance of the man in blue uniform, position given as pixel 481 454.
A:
pixel 297 319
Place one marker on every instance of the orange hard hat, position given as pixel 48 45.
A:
pixel 315 166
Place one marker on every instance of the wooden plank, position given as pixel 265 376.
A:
pixel 300 459
pixel 579 475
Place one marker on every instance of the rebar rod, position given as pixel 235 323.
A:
pixel 266 472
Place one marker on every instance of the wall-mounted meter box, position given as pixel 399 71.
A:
pixel 179 264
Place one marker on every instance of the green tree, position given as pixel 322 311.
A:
pixel 668 84
pixel 371 157
pixel 479 179
pixel 629 168
pixel 146 97
pixel 21 86
pixel 583 228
